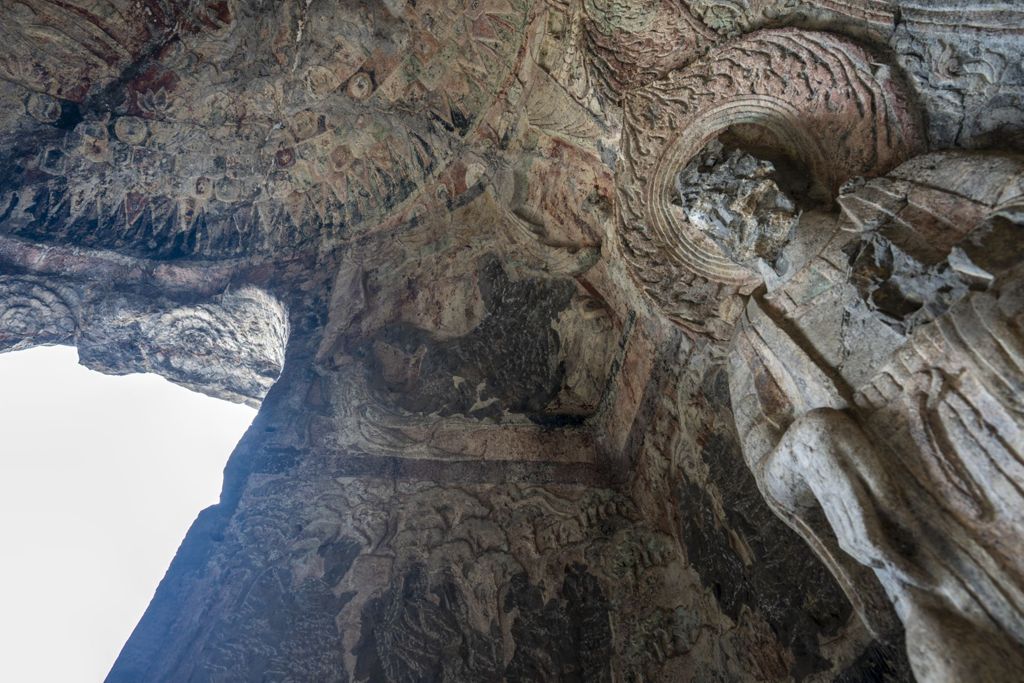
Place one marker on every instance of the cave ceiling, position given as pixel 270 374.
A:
pixel 633 340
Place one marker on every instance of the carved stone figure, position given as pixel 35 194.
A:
pixel 600 341
pixel 907 462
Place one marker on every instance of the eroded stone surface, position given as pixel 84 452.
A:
pixel 545 413
pixel 731 196
pixel 821 435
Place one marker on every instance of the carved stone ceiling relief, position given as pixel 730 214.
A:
pixel 595 340
pixel 264 128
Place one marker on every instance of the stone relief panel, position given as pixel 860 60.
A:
pixel 957 56
pixel 386 575
pixel 482 337
pixel 231 347
pixel 605 322
pixel 328 122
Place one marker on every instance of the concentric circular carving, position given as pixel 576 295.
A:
pixel 32 312
pixel 823 101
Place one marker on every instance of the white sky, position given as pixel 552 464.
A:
pixel 100 478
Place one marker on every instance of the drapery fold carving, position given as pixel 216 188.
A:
pixel 916 474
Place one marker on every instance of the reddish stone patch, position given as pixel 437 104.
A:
pixel 285 157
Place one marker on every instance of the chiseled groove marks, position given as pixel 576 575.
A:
pixel 987 17
pixel 952 396
pixel 994 347
pixel 971 332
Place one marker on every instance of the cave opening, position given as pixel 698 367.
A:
pixel 100 478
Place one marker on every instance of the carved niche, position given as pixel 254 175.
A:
pixel 822 101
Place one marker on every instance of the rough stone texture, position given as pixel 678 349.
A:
pixel 230 346
pixel 733 198
pixel 533 408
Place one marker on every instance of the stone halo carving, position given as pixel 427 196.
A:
pixel 688 245
pixel 827 102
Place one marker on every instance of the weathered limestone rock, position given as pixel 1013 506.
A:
pixel 594 341
pixel 230 347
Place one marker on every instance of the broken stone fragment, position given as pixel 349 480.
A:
pixel 975 276
pixel 906 292
pixel 733 198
